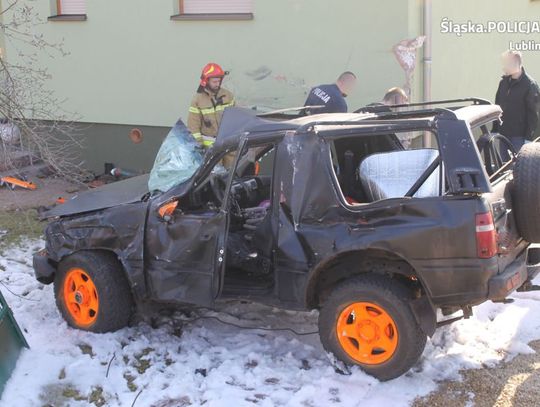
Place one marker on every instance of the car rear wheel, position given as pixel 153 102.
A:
pixel 92 292
pixel 367 321
pixel 526 192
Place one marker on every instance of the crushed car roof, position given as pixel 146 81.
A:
pixel 239 121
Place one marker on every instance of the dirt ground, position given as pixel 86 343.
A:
pixel 18 208
pixel 514 383
pixel 47 192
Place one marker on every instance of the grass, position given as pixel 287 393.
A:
pixel 130 382
pixel 96 397
pixel 71 392
pixel 143 364
pixel 18 225
pixel 59 394
pixel 86 349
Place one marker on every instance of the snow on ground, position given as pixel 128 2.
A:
pixel 177 363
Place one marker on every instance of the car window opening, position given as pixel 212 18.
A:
pixel 496 151
pixel 249 243
pixel 373 168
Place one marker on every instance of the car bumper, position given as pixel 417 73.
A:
pixel 43 269
pixel 524 268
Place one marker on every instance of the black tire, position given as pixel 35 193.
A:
pixel 112 288
pixel 526 192
pixel 391 296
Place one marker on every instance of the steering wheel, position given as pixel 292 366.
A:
pixel 218 186
pixel 491 146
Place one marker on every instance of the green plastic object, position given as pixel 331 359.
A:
pixel 11 342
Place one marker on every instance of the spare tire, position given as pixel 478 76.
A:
pixel 526 192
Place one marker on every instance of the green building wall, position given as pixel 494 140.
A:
pixel 130 65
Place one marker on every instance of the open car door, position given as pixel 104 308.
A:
pixel 185 248
pixel 185 254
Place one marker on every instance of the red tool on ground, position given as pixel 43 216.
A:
pixel 13 182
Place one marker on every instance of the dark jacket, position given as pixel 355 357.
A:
pixel 328 96
pixel 520 102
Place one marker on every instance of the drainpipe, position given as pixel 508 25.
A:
pixel 2 35
pixel 427 62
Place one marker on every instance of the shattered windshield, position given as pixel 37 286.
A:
pixel 177 159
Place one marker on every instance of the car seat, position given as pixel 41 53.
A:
pixel 392 174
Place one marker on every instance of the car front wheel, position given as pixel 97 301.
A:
pixel 367 321
pixel 92 292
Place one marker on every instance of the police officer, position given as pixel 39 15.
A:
pixel 208 105
pixel 331 97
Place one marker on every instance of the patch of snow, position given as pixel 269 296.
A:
pixel 205 362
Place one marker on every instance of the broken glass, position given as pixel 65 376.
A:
pixel 177 159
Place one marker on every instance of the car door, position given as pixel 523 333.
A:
pixel 185 253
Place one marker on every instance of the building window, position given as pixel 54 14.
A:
pixel 213 10
pixel 69 10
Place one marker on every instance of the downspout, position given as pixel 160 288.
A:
pixel 426 88
pixel 2 35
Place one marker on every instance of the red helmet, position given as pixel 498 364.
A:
pixel 211 70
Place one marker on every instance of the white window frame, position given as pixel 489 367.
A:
pixel 59 15
pixel 180 14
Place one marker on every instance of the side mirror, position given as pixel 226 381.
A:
pixel 165 211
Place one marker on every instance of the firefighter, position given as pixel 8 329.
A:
pixel 208 105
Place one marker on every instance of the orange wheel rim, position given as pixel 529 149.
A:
pixel 80 297
pixel 367 333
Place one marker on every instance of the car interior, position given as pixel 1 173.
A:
pixel 495 149
pixel 371 168
pixel 248 243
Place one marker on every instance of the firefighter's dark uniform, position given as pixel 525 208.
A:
pixel 205 114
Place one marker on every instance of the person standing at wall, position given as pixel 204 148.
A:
pixel 208 105
pixel 519 97
pixel 398 96
pixel 395 96
pixel 331 97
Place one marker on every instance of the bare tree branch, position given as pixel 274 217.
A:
pixel 27 105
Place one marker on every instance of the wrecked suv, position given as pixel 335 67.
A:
pixel 326 212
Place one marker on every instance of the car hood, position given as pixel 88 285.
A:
pixel 109 195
